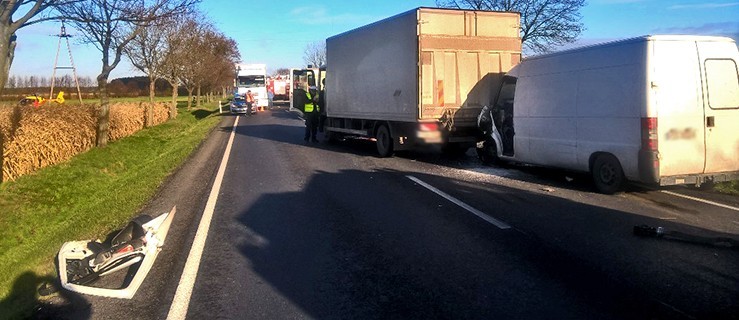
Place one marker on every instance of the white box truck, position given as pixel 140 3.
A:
pixel 660 110
pixel 420 77
pixel 252 77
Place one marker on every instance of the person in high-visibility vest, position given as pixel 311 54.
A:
pixel 312 114
pixel 249 99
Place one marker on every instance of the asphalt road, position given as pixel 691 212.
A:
pixel 319 231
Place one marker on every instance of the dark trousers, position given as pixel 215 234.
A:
pixel 311 125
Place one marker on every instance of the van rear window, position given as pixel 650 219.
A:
pixel 722 80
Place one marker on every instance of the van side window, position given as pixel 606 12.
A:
pixel 507 92
pixel 722 80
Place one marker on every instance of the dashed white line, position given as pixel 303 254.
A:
pixel 181 301
pixel 701 200
pixel 480 214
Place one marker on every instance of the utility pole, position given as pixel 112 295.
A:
pixel 64 35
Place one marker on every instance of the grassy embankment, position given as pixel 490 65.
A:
pixel 728 187
pixel 85 198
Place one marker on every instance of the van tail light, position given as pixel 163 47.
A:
pixel 430 126
pixel 649 153
pixel 649 134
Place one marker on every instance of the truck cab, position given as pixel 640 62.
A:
pixel 252 77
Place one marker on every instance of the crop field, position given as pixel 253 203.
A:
pixel 36 137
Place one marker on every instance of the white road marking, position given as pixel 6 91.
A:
pixel 181 300
pixel 701 200
pixel 480 214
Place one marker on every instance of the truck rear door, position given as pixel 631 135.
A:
pixel 721 104
pixel 462 57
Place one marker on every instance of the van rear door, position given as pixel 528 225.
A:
pixel 721 104
pixel 675 85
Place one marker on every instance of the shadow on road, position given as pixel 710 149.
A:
pixel 23 301
pixel 392 249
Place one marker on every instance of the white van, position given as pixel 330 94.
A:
pixel 661 110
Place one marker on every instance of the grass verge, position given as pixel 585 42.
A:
pixel 731 187
pixel 85 198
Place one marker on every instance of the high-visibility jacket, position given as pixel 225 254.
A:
pixel 309 107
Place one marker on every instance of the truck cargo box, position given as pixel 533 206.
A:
pixel 421 66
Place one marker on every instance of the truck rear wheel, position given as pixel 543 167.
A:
pixel 332 137
pixel 384 142
pixel 608 175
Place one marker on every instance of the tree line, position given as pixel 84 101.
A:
pixel 66 81
pixel 18 87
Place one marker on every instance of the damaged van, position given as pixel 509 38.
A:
pixel 660 110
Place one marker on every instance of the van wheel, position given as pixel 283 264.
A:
pixel 384 142
pixel 488 154
pixel 607 174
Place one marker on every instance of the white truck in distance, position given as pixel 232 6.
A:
pixel 252 77
pixel 660 110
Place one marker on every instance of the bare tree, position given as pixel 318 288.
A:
pixel 190 60
pixel 218 56
pixel 545 24
pixel 32 82
pixel 315 53
pixel 176 54
pixel 66 81
pixel 12 82
pixel 110 25
pixel 208 59
pixel 281 71
pixel 27 12
pixel 86 82
pixel 147 51
pixel 223 76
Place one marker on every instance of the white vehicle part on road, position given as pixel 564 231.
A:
pixel 156 233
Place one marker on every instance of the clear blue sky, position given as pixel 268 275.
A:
pixel 276 32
